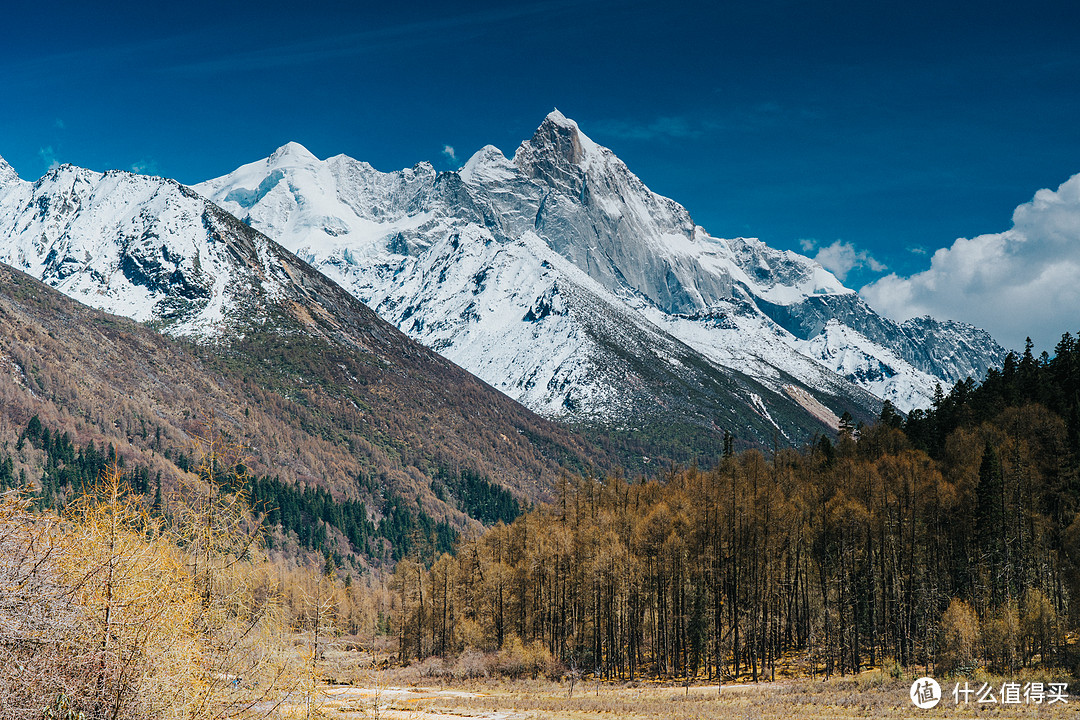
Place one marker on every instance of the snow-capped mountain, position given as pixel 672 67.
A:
pixel 146 248
pixel 293 347
pixel 153 250
pixel 556 276
pixel 528 270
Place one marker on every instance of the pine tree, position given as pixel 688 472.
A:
pixel 990 521
pixel 889 416
pixel 847 425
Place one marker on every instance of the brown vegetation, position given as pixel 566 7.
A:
pixel 821 562
pixel 404 695
pixel 110 612
pixel 366 418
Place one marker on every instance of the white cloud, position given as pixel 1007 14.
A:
pixel 1018 283
pixel 449 154
pixel 48 156
pixel 144 167
pixel 841 258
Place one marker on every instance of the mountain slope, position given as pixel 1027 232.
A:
pixel 462 261
pixel 334 393
pixel 151 249
pixel 421 249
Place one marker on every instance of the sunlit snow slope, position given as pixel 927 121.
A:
pixel 528 271
pixel 146 248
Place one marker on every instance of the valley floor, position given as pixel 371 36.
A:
pixel 870 694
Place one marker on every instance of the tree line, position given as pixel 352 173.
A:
pixel 68 471
pixel 948 538
pixel 310 516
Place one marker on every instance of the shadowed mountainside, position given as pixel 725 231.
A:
pixel 320 392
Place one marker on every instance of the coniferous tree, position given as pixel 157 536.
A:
pixel 990 523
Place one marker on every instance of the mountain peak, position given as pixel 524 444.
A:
pixel 558 118
pixel 558 139
pixel 488 163
pixel 544 258
pixel 294 152
pixel 7 173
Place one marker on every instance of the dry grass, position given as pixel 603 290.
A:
pixel 404 694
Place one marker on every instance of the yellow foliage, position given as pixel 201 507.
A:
pixel 959 638
pixel 1001 638
pixel 102 613
pixel 1039 626
pixel 139 601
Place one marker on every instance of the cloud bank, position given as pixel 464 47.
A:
pixel 1018 283
pixel 841 258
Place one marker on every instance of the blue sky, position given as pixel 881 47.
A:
pixel 870 134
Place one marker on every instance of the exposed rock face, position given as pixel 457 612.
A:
pixel 474 263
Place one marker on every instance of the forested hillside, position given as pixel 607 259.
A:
pixel 951 538
pixel 386 424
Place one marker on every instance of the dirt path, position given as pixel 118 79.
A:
pixel 410 703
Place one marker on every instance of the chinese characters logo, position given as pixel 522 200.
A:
pixel 925 693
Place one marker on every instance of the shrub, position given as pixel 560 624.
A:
pixel 44 662
pixel 1001 639
pixel 514 660
pixel 959 637
pixel 470 665
pixel 1039 627
pixel 434 667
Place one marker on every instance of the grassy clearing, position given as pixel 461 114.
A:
pixel 404 694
